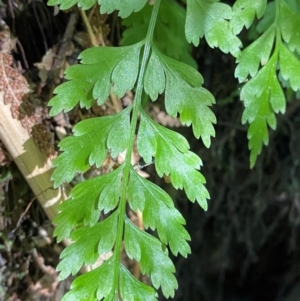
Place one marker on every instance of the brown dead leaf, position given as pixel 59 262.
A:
pixel 16 91
pixel 46 286
pixel 7 43
pixel 43 139
pixel 46 64
pixel 54 63
pixel 4 159
pixel 162 117
pixel 14 297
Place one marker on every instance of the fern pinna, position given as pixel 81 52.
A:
pixel 94 217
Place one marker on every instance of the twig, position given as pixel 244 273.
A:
pixel 12 14
pixel 59 58
pixel 22 54
pixel 115 102
pixel 40 26
pixel 26 210
pixel 88 28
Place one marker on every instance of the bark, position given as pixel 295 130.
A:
pixel 35 166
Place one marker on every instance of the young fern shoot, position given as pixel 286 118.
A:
pixel 101 69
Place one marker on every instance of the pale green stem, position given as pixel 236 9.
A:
pixel 277 26
pixel 134 119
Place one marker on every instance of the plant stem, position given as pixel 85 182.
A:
pixel 277 27
pixel 134 119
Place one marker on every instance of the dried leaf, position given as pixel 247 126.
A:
pixel 16 90
pixel 4 159
pixel 43 139
pixel 162 117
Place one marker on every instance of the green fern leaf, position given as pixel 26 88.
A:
pixel 147 250
pixel 169 34
pixel 90 243
pixel 100 68
pixel 158 213
pixel 243 13
pixel 66 4
pixel 181 166
pixel 210 19
pixel 80 218
pixel 125 7
pixel 155 80
pixel 84 205
pixel 254 55
pixel 84 288
pixel 290 26
pixel 90 144
pixel 134 290
pixel 268 18
pixel 290 67
pixel 262 95
pixel 258 134
pixel 183 94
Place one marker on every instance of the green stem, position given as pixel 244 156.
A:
pixel 277 26
pixel 134 119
